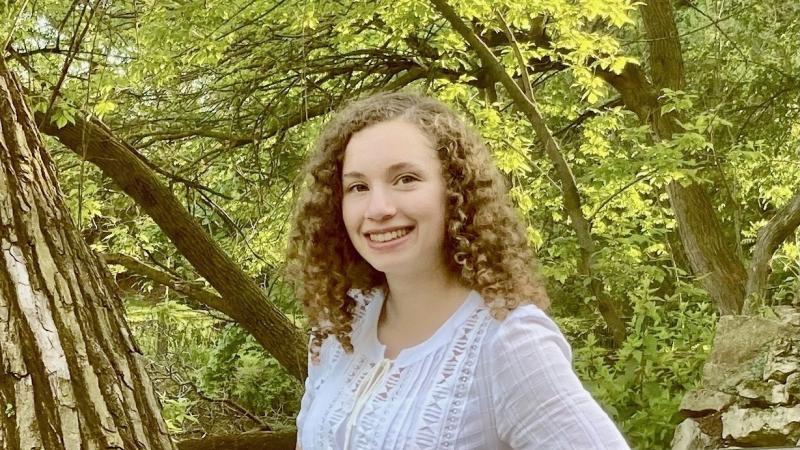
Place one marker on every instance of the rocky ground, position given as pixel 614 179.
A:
pixel 750 392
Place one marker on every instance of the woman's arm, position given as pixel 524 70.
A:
pixel 539 401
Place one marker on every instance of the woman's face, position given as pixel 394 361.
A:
pixel 394 195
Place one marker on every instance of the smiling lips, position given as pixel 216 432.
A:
pixel 389 236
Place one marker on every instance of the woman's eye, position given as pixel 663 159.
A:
pixel 405 179
pixel 357 188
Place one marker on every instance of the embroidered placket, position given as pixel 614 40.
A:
pixel 370 382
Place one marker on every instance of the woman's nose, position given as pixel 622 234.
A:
pixel 381 206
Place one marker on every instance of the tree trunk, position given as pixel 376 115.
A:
pixel 712 257
pixel 71 376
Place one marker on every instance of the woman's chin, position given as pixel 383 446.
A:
pixel 394 266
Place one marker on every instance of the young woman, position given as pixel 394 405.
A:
pixel 424 305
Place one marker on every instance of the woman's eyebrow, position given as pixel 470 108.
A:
pixel 396 167
pixel 401 166
pixel 353 175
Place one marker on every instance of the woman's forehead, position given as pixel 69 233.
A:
pixel 388 145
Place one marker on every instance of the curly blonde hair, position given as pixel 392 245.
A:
pixel 485 243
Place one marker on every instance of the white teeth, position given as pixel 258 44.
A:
pixel 392 235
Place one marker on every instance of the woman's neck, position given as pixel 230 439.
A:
pixel 422 298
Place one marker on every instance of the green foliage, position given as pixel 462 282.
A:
pixel 178 413
pixel 642 383
pixel 203 367
pixel 238 366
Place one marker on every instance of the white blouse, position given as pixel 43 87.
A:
pixel 477 383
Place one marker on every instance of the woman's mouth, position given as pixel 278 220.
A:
pixel 390 236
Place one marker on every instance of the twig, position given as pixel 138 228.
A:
pixel 14 25
pixel 619 192
pixel 75 44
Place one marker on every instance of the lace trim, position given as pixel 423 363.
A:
pixel 337 412
pixel 445 403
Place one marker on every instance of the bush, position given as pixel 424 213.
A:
pixel 212 377
pixel 641 384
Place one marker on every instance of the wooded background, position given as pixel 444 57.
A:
pixel 652 148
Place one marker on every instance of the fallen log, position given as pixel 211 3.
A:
pixel 254 440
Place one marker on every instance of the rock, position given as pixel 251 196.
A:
pixel 793 387
pixel 751 394
pixel 788 314
pixel 738 351
pixel 755 426
pixel 783 359
pixel 689 436
pixel 700 402
pixel 772 392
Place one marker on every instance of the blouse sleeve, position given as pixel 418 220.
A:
pixel 537 398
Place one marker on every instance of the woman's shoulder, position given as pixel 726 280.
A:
pixel 524 328
pixel 527 315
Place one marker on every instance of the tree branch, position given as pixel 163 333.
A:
pixel 175 177
pixel 74 46
pixel 770 236
pixel 192 290
pixel 243 301
pixel 523 67
pixel 624 188
pixel 259 440
pixel 588 114
pixel 572 200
